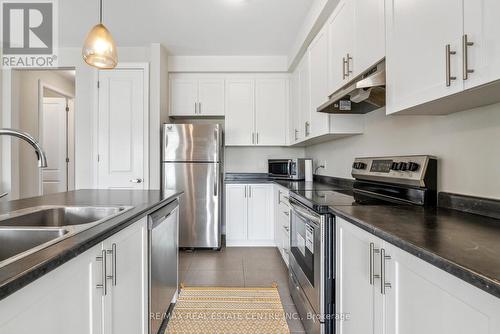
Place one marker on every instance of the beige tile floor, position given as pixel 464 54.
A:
pixel 241 267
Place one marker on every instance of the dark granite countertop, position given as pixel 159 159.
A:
pixel 462 244
pixel 18 274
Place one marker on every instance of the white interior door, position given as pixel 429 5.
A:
pixel 54 141
pixel 122 140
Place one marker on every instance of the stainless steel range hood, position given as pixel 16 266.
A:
pixel 363 94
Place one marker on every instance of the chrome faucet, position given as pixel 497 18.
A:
pixel 42 158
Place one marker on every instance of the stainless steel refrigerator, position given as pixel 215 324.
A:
pixel 191 161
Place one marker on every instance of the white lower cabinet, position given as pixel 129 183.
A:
pixel 125 304
pixel 249 215
pixel 68 299
pixel 282 222
pixel 403 294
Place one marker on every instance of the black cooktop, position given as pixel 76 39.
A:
pixel 321 200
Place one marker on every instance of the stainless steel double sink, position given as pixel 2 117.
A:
pixel 26 231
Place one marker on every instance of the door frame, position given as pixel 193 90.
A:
pixel 144 66
pixel 68 96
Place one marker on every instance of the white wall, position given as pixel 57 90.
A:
pixel 254 159
pixel 466 143
pixel 25 104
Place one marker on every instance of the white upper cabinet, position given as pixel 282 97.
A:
pixel 240 106
pixel 341 30
pixel 455 48
pixel 370 34
pixel 304 112
pixel 419 66
pixel 482 27
pixel 183 96
pixel 271 116
pixel 196 95
pixel 211 97
pixel 294 120
pixel 318 57
pixel 257 110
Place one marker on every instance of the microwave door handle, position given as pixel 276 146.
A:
pixel 289 168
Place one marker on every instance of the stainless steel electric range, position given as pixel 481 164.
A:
pixel 399 180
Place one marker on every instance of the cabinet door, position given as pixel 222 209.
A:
pixel 183 96
pixel 304 98
pixel 271 111
pixel 416 58
pixel 65 300
pixel 295 126
pixel 125 305
pixel 318 55
pixel 236 212
pixel 482 26
pixel 354 293
pixel 240 109
pixel 425 299
pixel 341 29
pixel 370 34
pixel 260 214
pixel 211 97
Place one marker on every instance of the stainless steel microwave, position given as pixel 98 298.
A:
pixel 289 169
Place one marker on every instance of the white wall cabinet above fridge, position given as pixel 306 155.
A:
pixel 437 68
pixel 196 95
pixel 257 110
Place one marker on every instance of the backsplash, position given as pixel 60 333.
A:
pixel 466 144
pixel 254 159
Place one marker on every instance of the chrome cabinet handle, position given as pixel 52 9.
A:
pixel 306 128
pixel 296 134
pixel 348 65
pixel 249 191
pixel 383 284
pixel 344 63
pixel 253 137
pixel 286 213
pixel 104 284
pixel 465 46
pixel 112 252
pixel 196 108
pixel 373 251
pixel 449 53
pixel 245 191
pixel 138 180
pixel 199 108
pixel 257 136
pixel 286 228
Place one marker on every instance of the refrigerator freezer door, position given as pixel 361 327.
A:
pixel 200 205
pixel 191 142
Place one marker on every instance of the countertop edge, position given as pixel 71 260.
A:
pixel 26 277
pixel 476 279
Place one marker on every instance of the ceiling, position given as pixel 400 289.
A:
pixel 190 27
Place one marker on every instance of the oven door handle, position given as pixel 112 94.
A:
pixel 304 213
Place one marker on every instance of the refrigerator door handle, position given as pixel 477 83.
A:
pixel 217 149
pixel 216 181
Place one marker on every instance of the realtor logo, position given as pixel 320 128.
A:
pixel 28 33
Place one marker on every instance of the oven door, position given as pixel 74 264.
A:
pixel 307 253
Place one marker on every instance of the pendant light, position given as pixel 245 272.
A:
pixel 99 49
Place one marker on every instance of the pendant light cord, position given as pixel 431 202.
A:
pixel 100 11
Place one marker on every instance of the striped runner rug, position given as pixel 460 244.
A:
pixel 228 310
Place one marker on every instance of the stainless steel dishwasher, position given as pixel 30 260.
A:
pixel 163 263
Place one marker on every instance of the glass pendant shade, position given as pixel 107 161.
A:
pixel 99 49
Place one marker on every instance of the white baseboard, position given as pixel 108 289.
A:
pixel 250 243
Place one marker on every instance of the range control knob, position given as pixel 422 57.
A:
pixel 395 166
pixel 413 166
pixel 403 166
